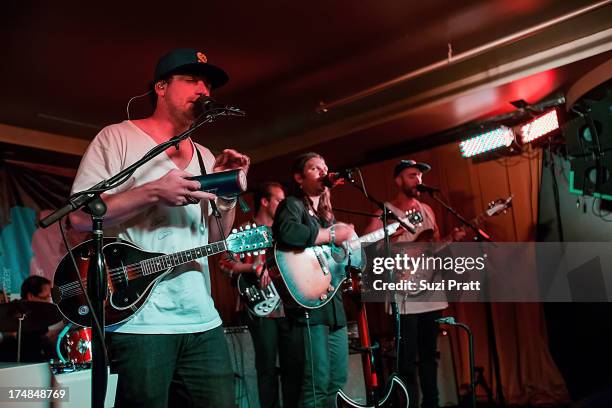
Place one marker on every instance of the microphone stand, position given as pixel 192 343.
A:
pixel 386 214
pixel 480 234
pixel 97 286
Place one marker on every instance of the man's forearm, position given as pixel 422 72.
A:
pixel 120 207
pixel 227 221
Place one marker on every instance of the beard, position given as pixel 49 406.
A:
pixel 411 192
pixel 185 116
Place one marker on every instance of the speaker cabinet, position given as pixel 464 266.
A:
pixel 242 353
pixel 589 177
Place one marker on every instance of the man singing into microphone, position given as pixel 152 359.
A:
pixel 419 329
pixel 303 220
pixel 172 352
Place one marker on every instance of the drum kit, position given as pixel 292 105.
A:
pixel 73 345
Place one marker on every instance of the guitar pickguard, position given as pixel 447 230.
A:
pixel 126 275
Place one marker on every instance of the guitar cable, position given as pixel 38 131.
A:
pixel 314 392
pixel 96 323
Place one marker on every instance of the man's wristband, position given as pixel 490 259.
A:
pixel 332 235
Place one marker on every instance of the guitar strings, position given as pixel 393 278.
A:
pixel 73 288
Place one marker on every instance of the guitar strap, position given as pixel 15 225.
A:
pixel 213 205
pixel 215 211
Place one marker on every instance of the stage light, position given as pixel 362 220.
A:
pixel 487 142
pixel 540 126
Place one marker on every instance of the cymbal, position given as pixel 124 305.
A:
pixel 38 316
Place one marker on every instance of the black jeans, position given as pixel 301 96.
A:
pixel 419 333
pixel 172 370
pixel 271 337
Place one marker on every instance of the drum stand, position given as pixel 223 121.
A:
pixel 20 318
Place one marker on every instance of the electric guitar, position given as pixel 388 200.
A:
pixel 260 302
pixel 494 208
pixel 132 273
pixel 311 277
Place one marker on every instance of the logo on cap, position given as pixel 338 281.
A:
pixel 201 57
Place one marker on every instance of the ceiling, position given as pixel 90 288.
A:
pixel 70 69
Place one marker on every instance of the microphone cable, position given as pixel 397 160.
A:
pixel 127 108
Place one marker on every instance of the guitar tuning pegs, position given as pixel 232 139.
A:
pixel 255 253
pixel 247 227
pixel 242 256
pixel 263 251
pixel 254 225
pixel 234 230
pixel 241 229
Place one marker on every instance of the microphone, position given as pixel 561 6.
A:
pixel 423 188
pixel 209 105
pixel 333 179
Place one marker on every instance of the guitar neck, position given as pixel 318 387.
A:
pixel 375 236
pixel 475 221
pixel 163 262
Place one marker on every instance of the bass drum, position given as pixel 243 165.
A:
pixel 78 346
pixel 74 346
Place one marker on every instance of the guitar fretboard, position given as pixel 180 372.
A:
pixel 375 236
pixel 164 262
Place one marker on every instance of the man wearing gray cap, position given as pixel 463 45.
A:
pixel 419 329
pixel 172 352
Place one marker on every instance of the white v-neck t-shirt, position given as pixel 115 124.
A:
pixel 181 302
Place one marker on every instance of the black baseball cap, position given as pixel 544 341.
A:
pixel 405 164
pixel 189 61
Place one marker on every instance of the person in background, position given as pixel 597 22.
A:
pixel 273 335
pixel 419 330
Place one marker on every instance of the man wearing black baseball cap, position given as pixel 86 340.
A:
pixel 172 352
pixel 189 61
pixel 419 330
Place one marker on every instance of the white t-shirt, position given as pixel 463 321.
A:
pixel 419 304
pixel 181 302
